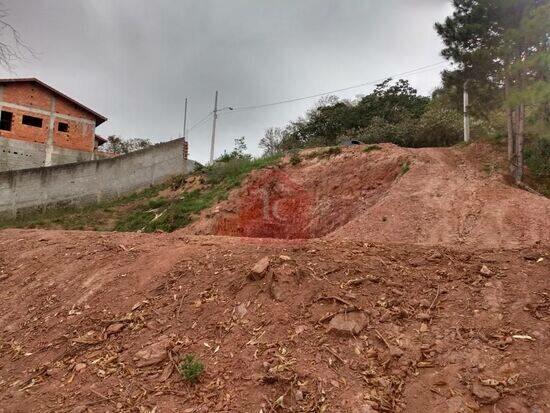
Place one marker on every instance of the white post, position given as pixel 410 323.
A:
pixel 185 120
pixel 214 127
pixel 466 114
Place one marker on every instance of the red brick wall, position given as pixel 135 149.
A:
pixel 186 149
pixel 80 135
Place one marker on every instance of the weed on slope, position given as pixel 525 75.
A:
pixel 149 210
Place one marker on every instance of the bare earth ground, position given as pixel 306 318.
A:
pixel 454 318
pixel 450 196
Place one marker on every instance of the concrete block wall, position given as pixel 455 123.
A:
pixel 91 181
pixel 18 154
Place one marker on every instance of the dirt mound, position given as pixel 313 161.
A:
pixel 424 196
pixel 98 322
pixel 341 322
pixel 308 201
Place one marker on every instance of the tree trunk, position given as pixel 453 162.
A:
pixel 511 141
pixel 510 127
pixel 519 143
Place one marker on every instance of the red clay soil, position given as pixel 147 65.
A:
pixel 95 322
pixel 444 196
pixel 98 322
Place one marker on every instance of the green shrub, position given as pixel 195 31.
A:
pixel 236 169
pixel 221 177
pixel 324 153
pixel 191 368
pixel 295 159
pixel 371 148
pixel 332 151
pixel 537 157
pixel 179 180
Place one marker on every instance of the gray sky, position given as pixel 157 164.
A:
pixel 135 61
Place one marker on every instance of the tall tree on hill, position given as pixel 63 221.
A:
pixel 503 45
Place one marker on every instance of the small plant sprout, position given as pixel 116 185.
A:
pixel 405 168
pixel 191 368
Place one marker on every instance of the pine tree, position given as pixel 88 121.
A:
pixel 503 44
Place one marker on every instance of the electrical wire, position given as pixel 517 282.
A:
pixel 417 70
pixel 371 82
pixel 199 122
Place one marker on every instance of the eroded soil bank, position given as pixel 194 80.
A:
pixel 429 196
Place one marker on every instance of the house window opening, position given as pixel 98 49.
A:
pixel 5 120
pixel 32 121
pixel 63 127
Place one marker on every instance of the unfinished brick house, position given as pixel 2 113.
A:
pixel 40 126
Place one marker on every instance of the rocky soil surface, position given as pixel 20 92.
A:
pixel 361 286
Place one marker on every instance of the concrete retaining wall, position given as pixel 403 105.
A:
pixel 91 181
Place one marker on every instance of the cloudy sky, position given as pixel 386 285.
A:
pixel 136 61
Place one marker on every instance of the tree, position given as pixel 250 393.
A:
pixel 331 119
pixel 119 145
pixel 238 152
pixel 12 47
pixel 271 141
pixel 392 102
pixel 499 45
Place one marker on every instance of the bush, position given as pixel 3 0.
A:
pixel 191 368
pixel 332 151
pixel 371 148
pixel 236 168
pixel 537 157
pixel 438 127
pixel 237 153
pixel 295 159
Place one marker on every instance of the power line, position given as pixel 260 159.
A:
pixel 371 82
pixel 199 122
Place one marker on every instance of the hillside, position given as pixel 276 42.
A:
pixel 431 196
pixel 364 279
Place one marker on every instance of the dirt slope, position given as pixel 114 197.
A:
pixel 454 317
pixel 445 198
pixel 77 308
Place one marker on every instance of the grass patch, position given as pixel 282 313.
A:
pixel 233 171
pixel 325 153
pixel 145 210
pixel 221 178
pixel 98 216
pixel 332 151
pixel 405 167
pixel 371 148
pixel 191 368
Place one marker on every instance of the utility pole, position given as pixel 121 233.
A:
pixel 466 114
pixel 214 127
pixel 185 120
